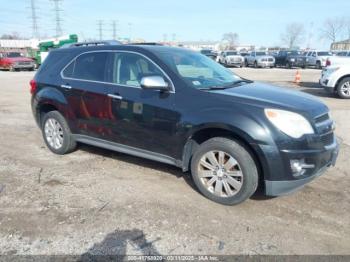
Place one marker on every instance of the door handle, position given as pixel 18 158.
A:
pixel 115 96
pixel 66 86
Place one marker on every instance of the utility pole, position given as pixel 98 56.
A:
pixel 100 29
pixel 34 18
pixel 58 19
pixel 114 29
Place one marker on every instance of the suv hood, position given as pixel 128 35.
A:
pixel 264 95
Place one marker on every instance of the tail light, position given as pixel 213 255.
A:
pixel 33 86
pixel 328 62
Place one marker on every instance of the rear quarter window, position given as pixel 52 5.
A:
pixel 89 66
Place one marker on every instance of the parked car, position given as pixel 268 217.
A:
pixel 317 58
pixel 179 107
pixel 290 59
pixel 230 58
pixel 209 53
pixel 339 59
pixel 259 59
pixel 336 79
pixel 15 61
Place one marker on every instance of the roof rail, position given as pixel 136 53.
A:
pixel 145 43
pixel 92 43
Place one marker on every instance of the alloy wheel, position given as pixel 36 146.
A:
pixel 345 89
pixel 53 133
pixel 220 173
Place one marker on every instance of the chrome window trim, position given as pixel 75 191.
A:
pixel 109 83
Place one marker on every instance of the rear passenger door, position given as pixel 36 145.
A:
pixel 85 81
pixel 144 119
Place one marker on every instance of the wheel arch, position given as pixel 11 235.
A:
pixel 339 80
pixel 50 99
pixel 203 134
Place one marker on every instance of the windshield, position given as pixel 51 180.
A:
pixel 206 52
pixel 324 53
pixel 294 53
pixel 14 54
pixel 231 53
pixel 198 70
pixel 260 53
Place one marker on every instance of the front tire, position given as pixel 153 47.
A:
pixel 224 171
pixel 56 133
pixel 343 88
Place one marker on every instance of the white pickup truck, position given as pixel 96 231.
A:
pixel 336 79
pixel 339 59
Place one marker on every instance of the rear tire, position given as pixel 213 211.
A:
pixel 224 171
pixel 56 133
pixel 343 88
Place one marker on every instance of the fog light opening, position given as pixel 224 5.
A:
pixel 299 166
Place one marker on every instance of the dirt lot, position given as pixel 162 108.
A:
pixel 95 200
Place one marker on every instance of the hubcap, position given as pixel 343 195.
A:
pixel 220 173
pixel 53 133
pixel 345 89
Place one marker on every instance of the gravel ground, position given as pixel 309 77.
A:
pixel 96 201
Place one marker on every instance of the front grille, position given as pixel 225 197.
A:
pixel 327 139
pixel 24 63
pixel 324 127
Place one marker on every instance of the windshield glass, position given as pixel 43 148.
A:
pixel 294 53
pixel 14 54
pixel 198 70
pixel 260 53
pixel 206 52
pixel 231 53
pixel 324 53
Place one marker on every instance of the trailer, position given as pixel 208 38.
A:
pixel 46 45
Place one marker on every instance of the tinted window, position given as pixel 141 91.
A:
pixel 91 66
pixel 231 53
pixel 324 53
pixel 68 72
pixel 260 53
pixel 129 68
pixel 197 70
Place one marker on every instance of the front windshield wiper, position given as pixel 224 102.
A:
pixel 226 86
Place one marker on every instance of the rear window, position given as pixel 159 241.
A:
pixel 324 53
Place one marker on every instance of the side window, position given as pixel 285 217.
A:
pixel 68 72
pixel 90 66
pixel 129 68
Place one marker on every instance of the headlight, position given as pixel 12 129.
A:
pixel 292 124
pixel 331 70
pixel 292 59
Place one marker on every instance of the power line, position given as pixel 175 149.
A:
pixel 114 29
pixel 34 18
pixel 100 29
pixel 58 19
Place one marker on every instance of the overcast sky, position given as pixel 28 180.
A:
pixel 257 22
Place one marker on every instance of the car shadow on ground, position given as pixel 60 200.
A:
pixel 172 170
pixel 114 246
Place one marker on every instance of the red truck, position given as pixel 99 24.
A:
pixel 15 61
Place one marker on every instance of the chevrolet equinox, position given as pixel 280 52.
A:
pixel 180 107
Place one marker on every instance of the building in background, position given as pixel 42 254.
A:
pixel 341 45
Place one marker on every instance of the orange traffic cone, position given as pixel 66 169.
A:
pixel 297 78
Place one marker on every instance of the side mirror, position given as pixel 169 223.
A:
pixel 154 82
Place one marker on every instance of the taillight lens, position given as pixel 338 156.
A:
pixel 328 62
pixel 32 86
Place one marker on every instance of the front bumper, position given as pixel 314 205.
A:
pixel 235 63
pixel 23 66
pixel 265 64
pixel 327 82
pixel 321 159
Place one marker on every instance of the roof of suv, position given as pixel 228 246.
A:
pixel 134 47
